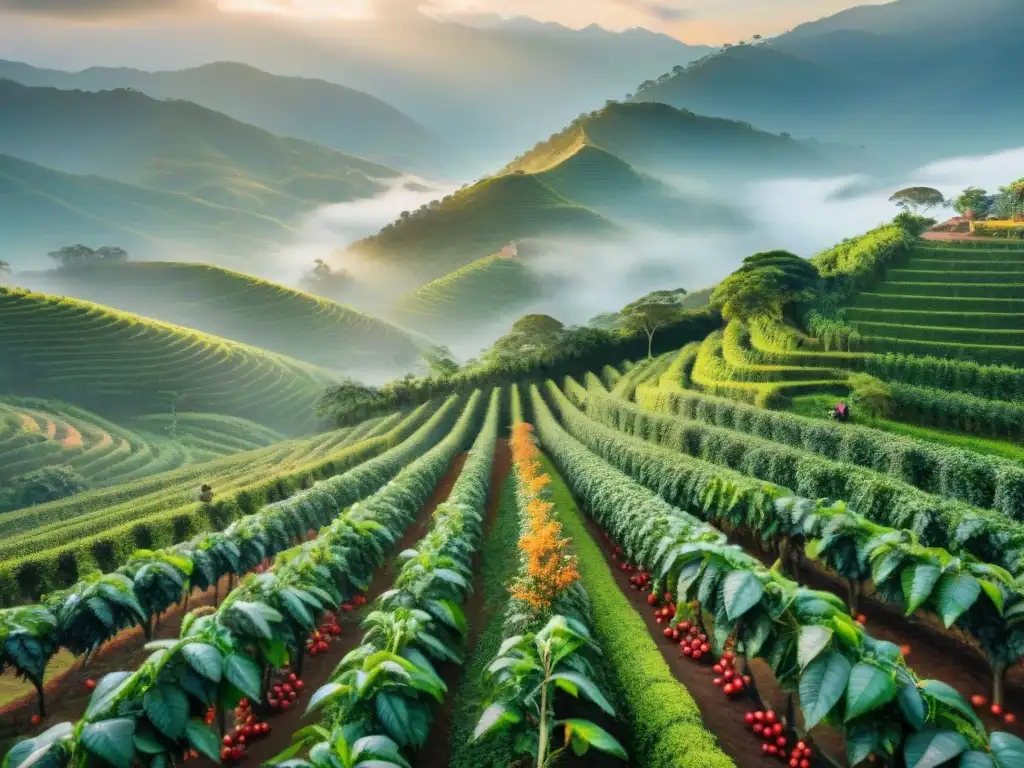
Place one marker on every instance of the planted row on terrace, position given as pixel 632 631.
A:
pixel 665 724
pixel 381 698
pixel 151 715
pixel 844 677
pixel 983 481
pixel 941 522
pixel 64 553
pixel 99 607
pixel 982 599
pixel 997 382
pixel 548 619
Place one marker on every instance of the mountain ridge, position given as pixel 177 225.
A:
pixel 311 109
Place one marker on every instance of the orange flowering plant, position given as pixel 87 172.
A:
pixel 549 566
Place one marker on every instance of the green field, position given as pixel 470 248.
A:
pixel 123 365
pixel 243 308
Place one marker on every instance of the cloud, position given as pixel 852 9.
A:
pixel 659 10
pixel 98 9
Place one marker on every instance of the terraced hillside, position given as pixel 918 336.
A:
pixel 965 303
pixel 122 365
pixel 243 308
pixel 50 545
pixel 600 497
pixel 39 434
pixel 477 221
pixel 481 291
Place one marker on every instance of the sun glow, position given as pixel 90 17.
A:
pixel 310 9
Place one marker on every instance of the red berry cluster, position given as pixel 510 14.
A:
pixel 320 639
pixel 282 695
pixel 729 678
pixel 640 581
pixel 766 726
pixel 980 701
pixel 247 729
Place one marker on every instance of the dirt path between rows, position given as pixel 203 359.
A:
pixel 436 753
pixel 722 716
pixel 317 669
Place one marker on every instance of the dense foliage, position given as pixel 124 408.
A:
pixel 519 357
pixel 101 605
pixel 222 657
pixel 844 677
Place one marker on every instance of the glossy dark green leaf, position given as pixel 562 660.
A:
pixel 931 748
pixel 204 659
pixel 111 740
pixel 741 591
pixel 203 739
pixel 957 592
pixel 870 687
pixel 166 706
pixel 822 686
pixel 243 673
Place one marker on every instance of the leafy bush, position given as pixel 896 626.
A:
pixel 871 395
pixel 982 481
pixel 41 486
pixel 958 411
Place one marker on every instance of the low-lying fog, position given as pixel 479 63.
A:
pixel 800 215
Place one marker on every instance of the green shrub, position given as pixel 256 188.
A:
pixel 871 395
pixel 42 485
pixel 957 411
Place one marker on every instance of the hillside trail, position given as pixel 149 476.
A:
pixel 317 669
pixel 437 750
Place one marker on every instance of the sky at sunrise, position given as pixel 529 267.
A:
pixel 694 21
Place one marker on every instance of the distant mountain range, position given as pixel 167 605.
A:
pixel 483 88
pixel 315 110
pixel 43 210
pixel 128 169
pixel 914 80
pixel 607 172
pixel 663 140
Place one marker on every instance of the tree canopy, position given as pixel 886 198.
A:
pixel 765 284
pixel 917 199
pixel 651 312
pixel 973 199
pixel 83 255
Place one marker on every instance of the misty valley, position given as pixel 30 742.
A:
pixel 511 385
